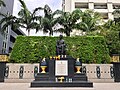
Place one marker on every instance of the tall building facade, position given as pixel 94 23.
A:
pixel 7 38
pixel 105 7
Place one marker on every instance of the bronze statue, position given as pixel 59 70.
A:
pixel 61 46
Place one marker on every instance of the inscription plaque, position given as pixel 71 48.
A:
pixel 61 68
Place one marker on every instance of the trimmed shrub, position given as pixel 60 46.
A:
pixel 113 42
pixel 29 49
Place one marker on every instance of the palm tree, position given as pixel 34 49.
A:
pixel 90 21
pixel 2 3
pixel 7 21
pixel 26 19
pixel 68 20
pixel 48 21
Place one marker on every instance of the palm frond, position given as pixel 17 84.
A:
pixel 57 12
pixel 2 3
pixel 24 11
pixel 38 27
pixel 4 15
pixel 23 4
pixel 37 18
pixel 3 29
pixel 61 30
pixel 37 9
pixel 47 10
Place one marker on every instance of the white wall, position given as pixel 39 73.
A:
pixel 70 5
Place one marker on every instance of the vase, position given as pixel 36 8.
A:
pixel 78 69
pixel 43 69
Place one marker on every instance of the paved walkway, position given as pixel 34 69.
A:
pixel 26 86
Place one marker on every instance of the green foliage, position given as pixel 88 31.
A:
pixel 68 21
pixel 111 32
pixel 28 20
pixel 113 42
pixel 90 21
pixel 48 21
pixel 91 49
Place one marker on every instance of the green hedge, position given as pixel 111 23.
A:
pixel 113 42
pixel 29 49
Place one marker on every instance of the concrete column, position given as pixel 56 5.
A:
pixel 110 16
pixel 72 5
pixel 91 5
pixel 110 10
pixel 67 5
pixel 110 7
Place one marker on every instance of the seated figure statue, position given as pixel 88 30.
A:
pixel 61 46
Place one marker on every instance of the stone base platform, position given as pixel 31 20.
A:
pixel 61 84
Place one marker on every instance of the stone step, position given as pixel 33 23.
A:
pixel 61 84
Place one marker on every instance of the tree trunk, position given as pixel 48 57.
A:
pixel 28 32
pixel 68 32
pixel 51 33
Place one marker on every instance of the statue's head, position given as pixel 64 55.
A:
pixel 61 36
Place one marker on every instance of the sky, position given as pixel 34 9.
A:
pixel 32 4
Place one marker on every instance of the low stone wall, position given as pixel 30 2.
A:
pixel 99 72
pixel 26 72
pixel 20 72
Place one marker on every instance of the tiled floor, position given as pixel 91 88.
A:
pixel 26 86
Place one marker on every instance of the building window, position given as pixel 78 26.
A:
pixel 104 15
pixel 6 30
pixel 81 5
pixel 4 44
pixel 116 6
pixel 3 35
pixel 3 51
pixel 6 37
pixel 10 49
pixel 12 39
pixel 18 32
pixel 0 27
pixel 100 5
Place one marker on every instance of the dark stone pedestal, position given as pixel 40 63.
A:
pixel 50 79
pixel 63 84
pixel 116 66
pixel 2 71
pixel 42 77
pixel 79 77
